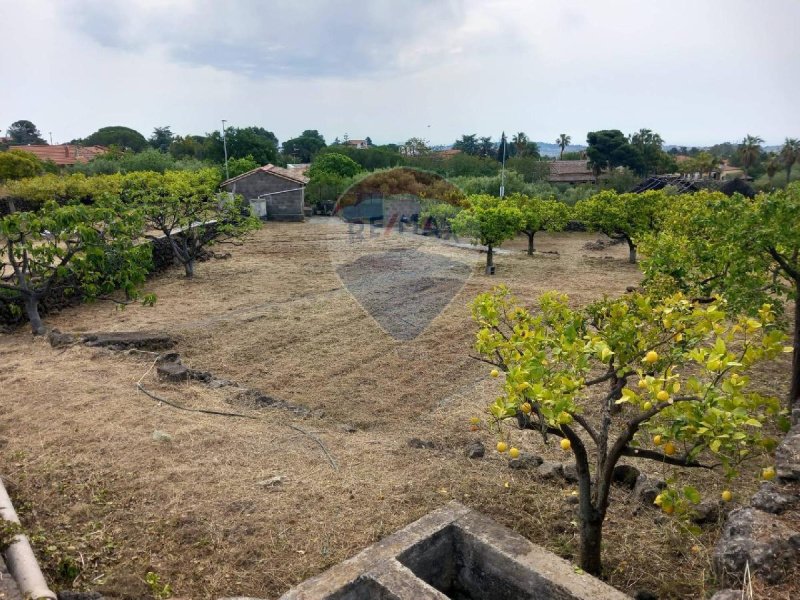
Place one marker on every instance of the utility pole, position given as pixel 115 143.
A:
pixel 225 150
pixel 503 170
pixel 51 137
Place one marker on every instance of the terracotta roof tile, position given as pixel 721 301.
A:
pixel 272 169
pixel 63 154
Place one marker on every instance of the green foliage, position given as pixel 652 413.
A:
pixel 530 167
pixel 8 531
pixel 162 138
pixel 438 215
pixel 185 208
pixel 689 362
pixel 24 132
pixel 159 589
pixel 335 164
pixel 129 162
pixel 748 250
pixel 238 166
pixel 18 164
pixel 119 136
pixel 540 214
pixel 370 159
pixel 623 216
pixel 609 149
pixel 91 247
pixel 488 221
pixel 257 142
pixel 305 146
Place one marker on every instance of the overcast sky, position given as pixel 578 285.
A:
pixel 696 71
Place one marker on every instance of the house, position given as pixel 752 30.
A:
pixel 357 144
pixel 274 193
pixel 571 171
pixel 63 154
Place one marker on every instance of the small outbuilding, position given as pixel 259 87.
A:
pixel 274 193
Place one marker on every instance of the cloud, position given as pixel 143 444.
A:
pixel 277 39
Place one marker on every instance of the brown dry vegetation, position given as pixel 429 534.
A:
pixel 106 503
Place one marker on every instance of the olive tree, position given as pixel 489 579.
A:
pixel 488 221
pixel 89 248
pixel 679 376
pixel 540 214
pixel 627 217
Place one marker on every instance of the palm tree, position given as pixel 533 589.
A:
pixel 790 153
pixel 563 141
pixel 520 141
pixel 749 151
pixel 772 167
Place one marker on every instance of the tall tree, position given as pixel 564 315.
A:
pixel 415 147
pixel 520 141
pixel 257 142
pixel 749 151
pixel 773 165
pixel 124 138
pixel 162 138
pixel 468 144
pixel 305 146
pixel 563 141
pixel 540 214
pixel 790 154
pixel 24 132
pixel 608 149
pixel 504 149
pixel 649 144
pixel 485 147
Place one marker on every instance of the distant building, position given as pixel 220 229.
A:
pixel 274 193
pixel 298 168
pixel 570 171
pixel 357 144
pixel 63 154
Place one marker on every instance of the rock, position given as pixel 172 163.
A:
pixel 418 443
pixel 787 456
pixel 646 489
pixel 475 450
pixel 219 383
pixel 347 428
pixel 172 371
pixel 625 476
pixel 550 470
pixel 272 481
pixel 570 473
pixel 161 436
pixel 525 461
pixel 727 595
pixel 705 513
pixel 72 595
pixel 769 499
pixel 124 340
pixel 770 546
pixel 60 340
pixel 250 398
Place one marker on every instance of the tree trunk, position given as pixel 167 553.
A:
pixel 31 306
pixel 188 266
pixel 591 542
pixel 794 393
pixel 788 173
pixel 489 258
pixel 530 242
pixel 631 251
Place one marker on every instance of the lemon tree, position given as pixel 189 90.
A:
pixel 746 250
pixel 627 217
pixel 540 214
pixel 630 377
pixel 488 221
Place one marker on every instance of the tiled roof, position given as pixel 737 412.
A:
pixel 291 175
pixel 570 167
pixel 63 154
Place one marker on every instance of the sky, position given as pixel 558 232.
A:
pixel 698 72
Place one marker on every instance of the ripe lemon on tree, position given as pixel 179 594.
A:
pixel 526 408
pixel 727 496
pixel 768 473
pixel 657 440
pixel 502 447
pixel 494 373
pixel 642 383
pixel 662 396
pixel 647 406
pixel 565 444
pixel 669 448
pixel 651 357
pixel 513 453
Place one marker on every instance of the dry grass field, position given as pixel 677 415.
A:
pixel 106 503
